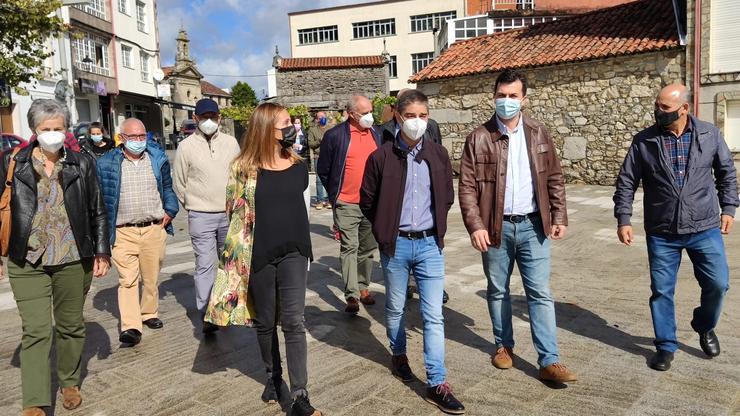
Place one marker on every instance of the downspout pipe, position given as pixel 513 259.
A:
pixel 114 120
pixel 697 55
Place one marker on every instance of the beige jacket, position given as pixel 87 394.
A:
pixel 202 171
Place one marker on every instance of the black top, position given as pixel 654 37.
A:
pixel 281 221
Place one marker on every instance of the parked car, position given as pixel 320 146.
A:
pixel 186 129
pixel 10 141
pixel 80 129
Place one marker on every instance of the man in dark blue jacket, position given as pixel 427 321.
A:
pixel 688 175
pixel 137 190
pixel 341 165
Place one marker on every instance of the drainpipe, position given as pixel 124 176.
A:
pixel 115 65
pixel 697 55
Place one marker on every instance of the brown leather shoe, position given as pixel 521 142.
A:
pixel 71 397
pixel 558 373
pixel 366 298
pixel 504 358
pixel 33 411
pixel 353 306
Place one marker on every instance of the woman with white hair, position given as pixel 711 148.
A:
pixel 58 241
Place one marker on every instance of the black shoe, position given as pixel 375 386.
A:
pixel 209 328
pixel 445 296
pixel 400 368
pixel 709 343
pixel 130 336
pixel 302 407
pixel 271 394
pixel 441 396
pixel 661 361
pixel 154 323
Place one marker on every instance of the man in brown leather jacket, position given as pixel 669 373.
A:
pixel 512 196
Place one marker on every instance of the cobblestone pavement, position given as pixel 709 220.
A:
pixel 604 329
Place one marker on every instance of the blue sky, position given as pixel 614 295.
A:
pixel 231 37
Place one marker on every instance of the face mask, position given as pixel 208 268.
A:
pixel 322 121
pixel 507 108
pixel 289 136
pixel 136 147
pixel 366 121
pixel 414 128
pixel 297 127
pixel 51 141
pixel 208 126
pixel 96 137
pixel 665 118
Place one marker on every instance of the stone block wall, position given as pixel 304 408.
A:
pixel 329 88
pixel 592 109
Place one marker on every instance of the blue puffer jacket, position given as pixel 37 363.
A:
pixel 109 173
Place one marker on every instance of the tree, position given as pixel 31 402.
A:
pixel 25 25
pixel 242 95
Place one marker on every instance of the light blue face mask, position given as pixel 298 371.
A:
pixel 96 137
pixel 136 147
pixel 507 108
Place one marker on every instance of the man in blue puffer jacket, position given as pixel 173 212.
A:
pixel 137 189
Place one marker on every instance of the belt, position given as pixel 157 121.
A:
pixel 140 224
pixel 520 218
pixel 418 235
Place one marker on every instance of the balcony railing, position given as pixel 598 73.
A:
pixel 92 68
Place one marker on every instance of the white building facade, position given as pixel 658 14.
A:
pixel 405 29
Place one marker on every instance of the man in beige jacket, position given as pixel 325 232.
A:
pixel 201 173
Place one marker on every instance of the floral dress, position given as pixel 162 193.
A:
pixel 229 304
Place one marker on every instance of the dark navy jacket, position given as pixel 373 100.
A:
pixel 109 172
pixel 711 182
pixel 333 155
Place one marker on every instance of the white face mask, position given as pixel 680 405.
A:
pixel 51 141
pixel 414 128
pixel 367 121
pixel 208 126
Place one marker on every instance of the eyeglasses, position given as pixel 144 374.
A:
pixel 134 137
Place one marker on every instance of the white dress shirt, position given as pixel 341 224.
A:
pixel 519 198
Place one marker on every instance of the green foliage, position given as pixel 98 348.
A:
pixel 302 112
pixel 379 102
pixel 242 95
pixel 24 27
pixel 239 114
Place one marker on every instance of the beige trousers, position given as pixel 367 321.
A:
pixel 138 254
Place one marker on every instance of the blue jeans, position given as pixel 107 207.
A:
pixel 707 253
pixel 321 195
pixel 526 244
pixel 424 257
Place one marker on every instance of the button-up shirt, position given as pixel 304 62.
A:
pixel 677 153
pixel 361 145
pixel 140 200
pixel 417 212
pixel 519 197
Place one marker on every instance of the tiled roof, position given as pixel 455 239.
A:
pixel 637 27
pixel 206 88
pixel 331 62
pixel 168 70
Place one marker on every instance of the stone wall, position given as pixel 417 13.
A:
pixel 329 88
pixel 592 109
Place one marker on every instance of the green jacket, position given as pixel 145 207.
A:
pixel 315 135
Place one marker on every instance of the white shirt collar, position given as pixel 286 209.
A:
pixel 504 130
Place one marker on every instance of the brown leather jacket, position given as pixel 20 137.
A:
pixel 483 178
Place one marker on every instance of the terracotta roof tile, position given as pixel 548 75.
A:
pixel 331 62
pixel 636 27
pixel 168 70
pixel 206 88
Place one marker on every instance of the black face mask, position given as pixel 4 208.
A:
pixel 665 118
pixel 289 136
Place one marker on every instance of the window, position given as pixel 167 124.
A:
pixel 126 56
pixel 427 22
pixel 503 24
pixel 724 35
pixel 470 28
pixel 392 67
pixel 420 60
pixel 525 4
pixel 135 111
pixel 144 59
pixel 123 6
pixel 732 125
pixel 141 16
pixel 93 7
pixel 374 28
pixel 318 35
pixel 93 47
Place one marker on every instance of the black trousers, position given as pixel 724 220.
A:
pixel 279 289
